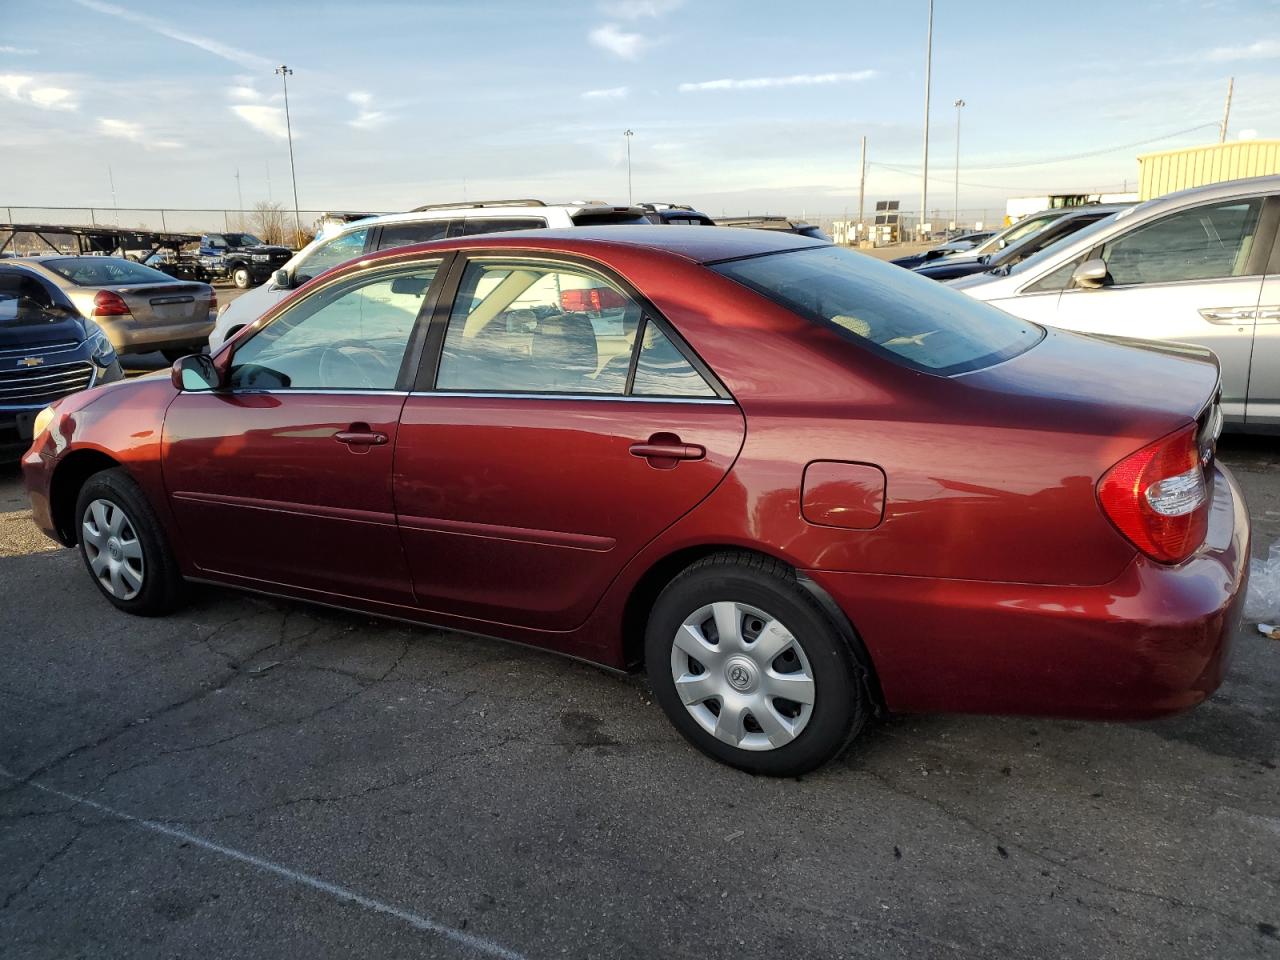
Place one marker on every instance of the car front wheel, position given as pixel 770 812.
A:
pixel 124 547
pixel 750 669
pixel 241 277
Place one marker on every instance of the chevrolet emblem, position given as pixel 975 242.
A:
pixel 31 361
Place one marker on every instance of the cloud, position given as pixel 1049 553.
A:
pixel 1248 133
pixel 246 93
pixel 611 93
pixel 1258 50
pixel 619 42
pixel 133 132
pixel 155 25
pixel 638 9
pixel 367 118
pixel 18 51
pixel 763 83
pixel 30 90
pixel 265 119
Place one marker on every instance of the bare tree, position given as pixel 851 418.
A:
pixel 269 223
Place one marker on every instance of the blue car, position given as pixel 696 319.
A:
pixel 47 351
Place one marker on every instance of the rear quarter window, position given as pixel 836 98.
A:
pixel 908 319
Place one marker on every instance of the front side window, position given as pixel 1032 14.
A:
pixel 344 247
pixel 351 336
pixel 1203 243
pixel 908 319
pixel 527 327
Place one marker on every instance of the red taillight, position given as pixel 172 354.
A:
pixel 213 299
pixel 109 304
pixel 1158 497
pixel 591 300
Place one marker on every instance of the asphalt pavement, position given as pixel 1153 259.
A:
pixel 260 778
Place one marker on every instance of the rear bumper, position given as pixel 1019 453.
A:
pixel 1154 641
pixel 132 336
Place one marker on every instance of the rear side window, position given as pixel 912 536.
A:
pixel 911 320
pixel 403 234
pixel 475 225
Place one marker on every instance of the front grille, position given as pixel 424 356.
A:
pixel 43 350
pixel 42 385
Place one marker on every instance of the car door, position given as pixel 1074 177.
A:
pixel 558 426
pixel 284 476
pixel 1264 369
pixel 1193 276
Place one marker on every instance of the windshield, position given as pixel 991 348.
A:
pixel 104 271
pixel 1015 232
pixel 1055 249
pixel 1044 240
pixel 908 319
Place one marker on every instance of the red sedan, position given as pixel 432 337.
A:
pixel 798 486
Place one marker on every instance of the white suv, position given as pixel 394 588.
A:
pixel 434 222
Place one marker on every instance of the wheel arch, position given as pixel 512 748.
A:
pixel 71 474
pixel 667 568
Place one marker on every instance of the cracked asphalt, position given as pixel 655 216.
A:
pixel 259 778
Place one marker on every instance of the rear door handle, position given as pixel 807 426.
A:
pixel 654 449
pixel 360 438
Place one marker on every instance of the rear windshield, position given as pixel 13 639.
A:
pixel 608 218
pixel 104 271
pixel 911 320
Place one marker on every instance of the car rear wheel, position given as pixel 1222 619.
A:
pixel 751 670
pixel 241 277
pixel 124 547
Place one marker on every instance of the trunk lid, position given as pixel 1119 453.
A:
pixel 165 302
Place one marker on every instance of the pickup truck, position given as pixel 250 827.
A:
pixel 240 257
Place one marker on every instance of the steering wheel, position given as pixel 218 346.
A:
pixel 337 368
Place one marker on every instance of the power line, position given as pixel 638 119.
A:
pixel 1092 153
pixel 912 172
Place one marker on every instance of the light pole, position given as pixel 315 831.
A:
pixel 959 105
pixel 284 73
pixel 924 178
pixel 628 133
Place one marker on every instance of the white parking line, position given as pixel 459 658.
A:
pixel 475 944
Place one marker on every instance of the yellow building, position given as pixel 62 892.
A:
pixel 1161 173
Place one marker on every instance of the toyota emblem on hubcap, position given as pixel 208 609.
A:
pixel 740 675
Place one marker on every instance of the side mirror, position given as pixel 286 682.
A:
pixel 282 280
pixel 1090 275
pixel 196 372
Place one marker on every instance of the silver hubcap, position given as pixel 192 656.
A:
pixel 111 544
pixel 742 676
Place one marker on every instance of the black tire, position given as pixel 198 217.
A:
pixel 841 702
pixel 162 589
pixel 241 277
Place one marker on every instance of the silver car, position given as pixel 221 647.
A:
pixel 138 308
pixel 1199 266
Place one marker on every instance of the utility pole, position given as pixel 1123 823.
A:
pixel 112 180
pixel 928 77
pixel 1226 113
pixel 284 73
pixel 269 197
pixel 862 186
pixel 628 133
pixel 240 198
pixel 959 105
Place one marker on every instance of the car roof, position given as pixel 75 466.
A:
pixel 695 243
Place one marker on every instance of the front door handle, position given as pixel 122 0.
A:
pixel 1228 315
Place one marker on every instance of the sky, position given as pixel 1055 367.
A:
pixel 736 106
